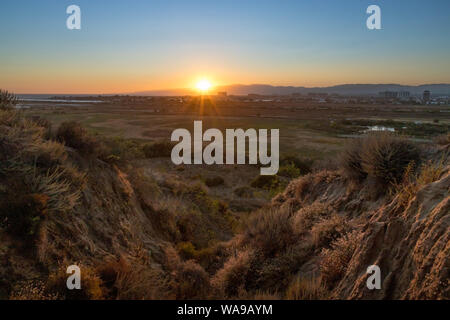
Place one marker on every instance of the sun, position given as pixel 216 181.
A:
pixel 203 85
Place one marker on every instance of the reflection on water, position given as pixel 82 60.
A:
pixel 380 128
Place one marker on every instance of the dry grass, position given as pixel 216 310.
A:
pixel 335 260
pixel 92 287
pixel 41 180
pixel 328 230
pixel 413 181
pixel 307 289
pixel 307 216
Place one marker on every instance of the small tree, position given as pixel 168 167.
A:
pixel 7 100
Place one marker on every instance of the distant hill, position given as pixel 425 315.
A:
pixel 345 89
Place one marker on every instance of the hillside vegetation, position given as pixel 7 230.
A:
pixel 67 197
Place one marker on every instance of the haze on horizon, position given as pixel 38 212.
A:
pixel 155 45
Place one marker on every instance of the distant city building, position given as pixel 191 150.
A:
pixel 404 94
pixel 389 94
pixel 395 94
pixel 317 94
pixel 426 96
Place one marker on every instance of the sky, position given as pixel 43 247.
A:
pixel 137 45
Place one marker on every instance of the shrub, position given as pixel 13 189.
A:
pixel 91 285
pixel 328 230
pixel 335 260
pixel 158 149
pixel 270 230
pixel 243 192
pixel 141 282
pixel 229 280
pixel 289 171
pixel 266 182
pixel 385 157
pixel 75 136
pixel 307 216
pixel 192 281
pixel 118 149
pixel 412 182
pixel 21 211
pixel 381 156
pixel 351 161
pixel 214 181
pixel 7 100
pixel 187 250
pixel 304 166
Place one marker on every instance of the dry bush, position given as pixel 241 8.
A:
pixel 412 182
pixel 142 283
pixel 382 156
pixel 307 289
pixel 192 281
pixel 274 273
pixel 92 287
pixel 46 154
pixel 351 160
pixel 270 230
pixel 229 280
pixel 72 134
pixel 385 157
pixel 336 259
pixel 307 216
pixel 7 100
pixel 132 280
pixel 43 123
pixel 328 230
pixel 61 198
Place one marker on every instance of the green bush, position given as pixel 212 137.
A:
pixel 266 182
pixel 243 192
pixel 289 171
pixel 214 181
pixel 159 149
pixel 304 166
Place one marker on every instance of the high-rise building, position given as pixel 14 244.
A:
pixel 426 96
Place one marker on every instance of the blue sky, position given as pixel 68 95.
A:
pixel 137 45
